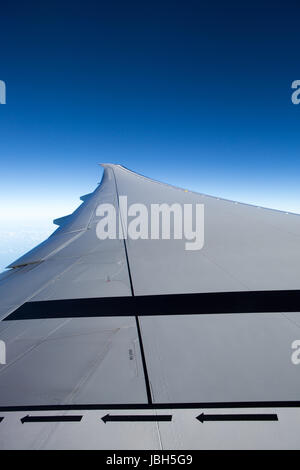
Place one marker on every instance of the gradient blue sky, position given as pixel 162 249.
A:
pixel 197 94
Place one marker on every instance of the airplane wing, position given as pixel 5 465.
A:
pixel 141 344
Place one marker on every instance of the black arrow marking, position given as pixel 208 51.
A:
pixel 109 417
pixel 1 419
pixel 238 417
pixel 50 419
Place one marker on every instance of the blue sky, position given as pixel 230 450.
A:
pixel 197 94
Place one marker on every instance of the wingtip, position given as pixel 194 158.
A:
pixel 104 165
pixel 111 165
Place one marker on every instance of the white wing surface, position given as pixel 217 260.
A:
pixel 142 344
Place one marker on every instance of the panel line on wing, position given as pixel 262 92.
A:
pixel 146 375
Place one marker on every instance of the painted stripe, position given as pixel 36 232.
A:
pixel 170 304
pixel 153 406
